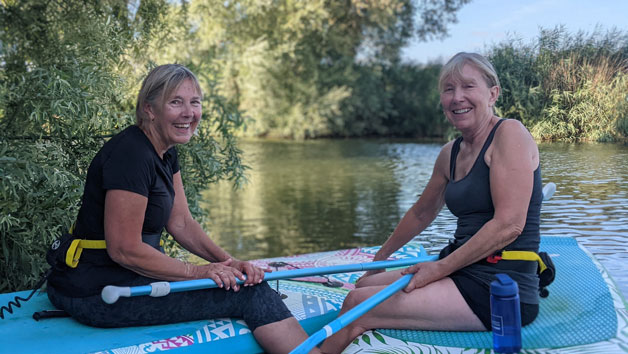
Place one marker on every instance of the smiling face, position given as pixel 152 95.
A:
pixel 466 97
pixel 174 120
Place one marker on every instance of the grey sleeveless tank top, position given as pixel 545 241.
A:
pixel 469 199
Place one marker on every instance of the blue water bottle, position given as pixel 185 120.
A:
pixel 505 315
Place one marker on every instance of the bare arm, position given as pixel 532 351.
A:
pixel 187 231
pixel 124 217
pixel 424 211
pixel 512 159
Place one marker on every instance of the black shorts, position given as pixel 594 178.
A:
pixel 257 305
pixel 478 297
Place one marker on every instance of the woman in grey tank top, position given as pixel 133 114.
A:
pixel 490 179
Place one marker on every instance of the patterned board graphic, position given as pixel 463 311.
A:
pixel 306 298
pixel 331 258
pixel 305 302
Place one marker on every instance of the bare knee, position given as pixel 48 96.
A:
pixel 281 336
pixel 362 282
pixel 356 329
pixel 353 298
pixel 360 325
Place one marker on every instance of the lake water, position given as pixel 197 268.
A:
pixel 331 194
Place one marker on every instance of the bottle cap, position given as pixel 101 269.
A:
pixel 504 286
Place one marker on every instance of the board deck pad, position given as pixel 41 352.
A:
pixel 583 310
pixel 584 313
pixel 579 309
pixel 312 306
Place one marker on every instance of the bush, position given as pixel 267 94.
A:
pixel 566 87
pixel 37 198
pixel 69 78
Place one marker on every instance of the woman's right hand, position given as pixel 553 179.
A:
pixel 424 273
pixel 223 274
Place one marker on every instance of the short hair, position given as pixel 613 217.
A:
pixel 160 82
pixel 454 66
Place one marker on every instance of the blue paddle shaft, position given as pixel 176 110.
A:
pixel 352 315
pixel 110 294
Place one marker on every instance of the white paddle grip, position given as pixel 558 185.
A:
pixel 111 294
pixel 158 289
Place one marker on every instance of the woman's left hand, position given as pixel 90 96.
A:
pixel 254 275
pixel 424 273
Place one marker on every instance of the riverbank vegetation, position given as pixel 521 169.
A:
pixel 70 73
pixel 70 70
pixel 567 87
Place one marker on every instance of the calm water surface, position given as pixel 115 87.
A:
pixel 330 194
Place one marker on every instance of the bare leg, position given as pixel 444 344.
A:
pixel 384 278
pixel 437 306
pixel 281 336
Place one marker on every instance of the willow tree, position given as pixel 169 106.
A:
pixel 69 73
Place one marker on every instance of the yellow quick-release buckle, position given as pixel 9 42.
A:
pixel 73 254
pixel 524 256
pixel 75 250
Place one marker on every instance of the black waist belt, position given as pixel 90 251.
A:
pixel 520 261
pixel 75 250
pixel 523 266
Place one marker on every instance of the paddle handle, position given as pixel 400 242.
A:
pixel 110 293
pixel 549 190
pixel 352 315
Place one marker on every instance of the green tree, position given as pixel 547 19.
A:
pixel 69 75
pixel 290 65
pixel 393 100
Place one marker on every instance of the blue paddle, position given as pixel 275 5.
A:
pixel 110 294
pixel 351 315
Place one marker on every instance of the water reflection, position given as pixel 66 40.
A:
pixel 331 194
pixel 308 196
pixel 591 200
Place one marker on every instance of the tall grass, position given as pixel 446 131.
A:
pixel 566 87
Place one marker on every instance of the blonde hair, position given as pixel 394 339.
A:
pixel 453 69
pixel 159 84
